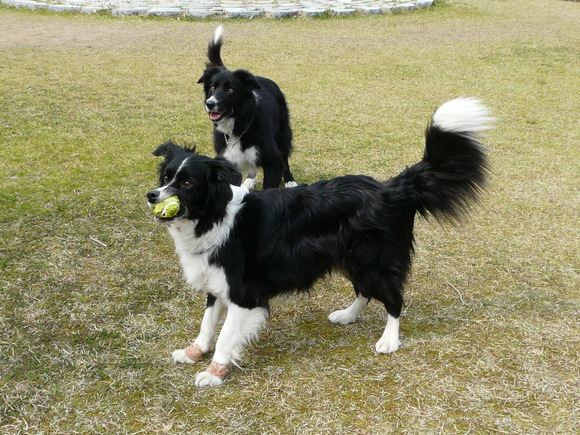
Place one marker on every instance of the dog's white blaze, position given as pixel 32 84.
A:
pixel 350 314
pixel 163 193
pixel 389 342
pixel 463 115
pixel 210 100
pixel 194 252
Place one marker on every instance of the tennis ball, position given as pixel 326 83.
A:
pixel 167 208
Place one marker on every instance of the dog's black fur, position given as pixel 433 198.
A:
pixel 271 242
pixel 251 119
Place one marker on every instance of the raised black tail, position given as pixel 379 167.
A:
pixel 214 48
pixel 455 164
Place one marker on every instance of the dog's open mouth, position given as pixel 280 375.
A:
pixel 218 116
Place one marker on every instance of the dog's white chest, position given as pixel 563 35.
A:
pixel 195 251
pixel 244 160
pixel 194 255
pixel 203 276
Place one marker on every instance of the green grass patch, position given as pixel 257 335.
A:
pixel 92 300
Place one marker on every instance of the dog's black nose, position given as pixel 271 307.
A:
pixel 209 104
pixel 152 196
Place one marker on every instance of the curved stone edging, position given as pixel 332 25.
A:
pixel 224 8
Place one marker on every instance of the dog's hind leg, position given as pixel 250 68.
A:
pixel 214 311
pixel 386 285
pixel 350 314
pixel 389 341
pixel 240 327
pixel 288 177
pixel 272 175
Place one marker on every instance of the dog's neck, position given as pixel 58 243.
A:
pixel 226 126
pixel 190 241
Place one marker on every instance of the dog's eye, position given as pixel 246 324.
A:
pixel 165 179
pixel 187 183
pixel 212 88
pixel 230 91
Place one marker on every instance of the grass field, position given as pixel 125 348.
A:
pixel 92 300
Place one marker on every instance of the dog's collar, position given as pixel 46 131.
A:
pixel 238 139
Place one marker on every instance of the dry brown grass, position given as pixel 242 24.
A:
pixel 91 296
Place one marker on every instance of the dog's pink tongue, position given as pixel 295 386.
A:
pixel 214 116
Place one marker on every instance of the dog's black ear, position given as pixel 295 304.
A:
pixel 170 149
pixel 223 170
pixel 247 78
pixel 209 72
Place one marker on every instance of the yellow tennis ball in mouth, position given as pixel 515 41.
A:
pixel 167 208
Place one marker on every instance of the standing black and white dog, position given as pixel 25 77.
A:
pixel 243 248
pixel 251 119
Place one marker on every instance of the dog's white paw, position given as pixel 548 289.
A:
pixel 206 379
pixel 249 183
pixel 291 184
pixel 387 345
pixel 179 356
pixel 342 317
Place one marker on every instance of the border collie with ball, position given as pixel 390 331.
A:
pixel 251 119
pixel 243 248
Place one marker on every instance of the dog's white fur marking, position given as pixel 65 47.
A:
pixel 463 115
pixel 163 190
pixel 226 125
pixel 290 184
pixel 208 330
pixel 389 342
pixel 218 34
pixel 187 243
pixel 240 327
pixel 350 314
pixel 180 357
pixel 194 252
pixel 246 161
pixel 206 379
pixel 210 100
pixel 250 182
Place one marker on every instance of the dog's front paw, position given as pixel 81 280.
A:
pixel 179 356
pixel 290 184
pixel 206 379
pixel 214 375
pixel 189 355
pixel 388 345
pixel 342 317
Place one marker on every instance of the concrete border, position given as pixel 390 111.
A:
pixel 247 9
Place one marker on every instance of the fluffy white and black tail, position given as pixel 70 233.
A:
pixel 455 164
pixel 214 48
